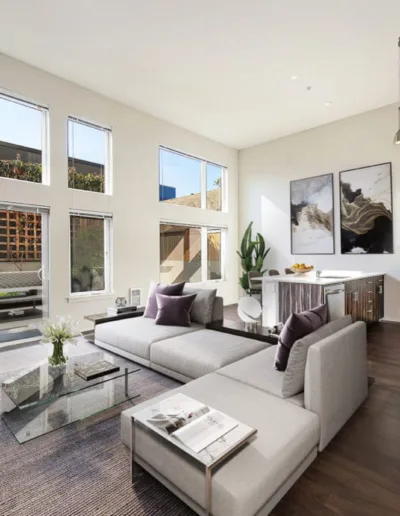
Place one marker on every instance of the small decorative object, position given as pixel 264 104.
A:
pixel 311 208
pixel 366 214
pixel 252 255
pixel 58 334
pixel 121 302
pixel 301 268
pixel 91 371
pixel 249 310
pixel 135 295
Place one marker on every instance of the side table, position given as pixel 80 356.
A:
pixel 105 317
pixel 239 328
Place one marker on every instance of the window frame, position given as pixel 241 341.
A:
pixel 108 155
pixel 203 180
pixel 45 133
pixel 204 248
pixel 108 254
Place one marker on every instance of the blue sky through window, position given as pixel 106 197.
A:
pixel 184 173
pixel 181 172
pixel 20 124
pixel 86 142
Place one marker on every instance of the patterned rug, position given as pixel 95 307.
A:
pixel 83 469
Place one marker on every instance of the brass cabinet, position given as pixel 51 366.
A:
pixel 364 299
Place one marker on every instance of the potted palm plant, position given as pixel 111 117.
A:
pixel 252 255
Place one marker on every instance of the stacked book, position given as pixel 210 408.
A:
pixel 116 310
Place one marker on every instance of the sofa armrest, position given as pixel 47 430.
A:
pixel 336 379
pixel 218 309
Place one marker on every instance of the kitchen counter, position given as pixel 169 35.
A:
pixel 310 278
pixel 358 293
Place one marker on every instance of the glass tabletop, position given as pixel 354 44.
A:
pixel 43 383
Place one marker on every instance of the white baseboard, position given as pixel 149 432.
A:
pixel 388 320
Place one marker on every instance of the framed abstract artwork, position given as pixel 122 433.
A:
pixel 366 210
pixel 312 215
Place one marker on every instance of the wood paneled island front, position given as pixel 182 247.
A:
pixel 357 293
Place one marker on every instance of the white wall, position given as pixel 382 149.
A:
pixel 265 172
pixel 135 205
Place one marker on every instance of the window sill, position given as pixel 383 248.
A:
pixel 82 298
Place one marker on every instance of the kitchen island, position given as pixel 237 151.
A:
pixel 360 294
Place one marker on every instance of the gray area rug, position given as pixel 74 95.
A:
pixel 83 469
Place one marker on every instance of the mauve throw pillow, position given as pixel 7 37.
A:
pixel 174 310
pixel 175 289
pixel 296 327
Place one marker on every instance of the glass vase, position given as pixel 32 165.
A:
pixel 58 358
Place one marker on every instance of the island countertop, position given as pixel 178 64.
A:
pixel 327 278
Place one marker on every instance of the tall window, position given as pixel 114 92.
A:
pixel 89 156
pixel 23 140
pixel 191 253
pixel 192 182
pixel 20 237
pixel 90 243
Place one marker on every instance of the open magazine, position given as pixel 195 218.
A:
pixel 197 428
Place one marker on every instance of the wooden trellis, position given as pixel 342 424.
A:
pixel 20 236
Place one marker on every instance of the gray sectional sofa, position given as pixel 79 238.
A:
pixel 296 412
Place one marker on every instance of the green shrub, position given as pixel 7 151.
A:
pixel 17 169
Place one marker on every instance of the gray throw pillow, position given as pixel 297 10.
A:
pixel 298 326
pixel 175 289
pixel 203 304
pixel 293 379
pixel 174 310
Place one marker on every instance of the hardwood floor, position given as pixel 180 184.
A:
pixel 358 474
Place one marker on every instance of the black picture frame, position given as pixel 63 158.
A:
pixel 378 231
pixel 333 215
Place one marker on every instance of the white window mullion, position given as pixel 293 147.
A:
pixel 45 147
pixel 204 254
pixel 203 185
pixel 108 172
pixel 108 255
pixel 224 243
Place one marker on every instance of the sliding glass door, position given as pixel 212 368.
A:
pixel 24 264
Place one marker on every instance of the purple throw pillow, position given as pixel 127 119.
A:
pixel 175 289
pixel 174 310
pixel 296 327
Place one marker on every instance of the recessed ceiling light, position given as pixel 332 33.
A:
pixel 328 103
pixel 294 77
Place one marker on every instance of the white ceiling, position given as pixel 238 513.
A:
pixel 221 68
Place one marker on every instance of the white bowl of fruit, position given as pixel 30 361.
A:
pixel 301 268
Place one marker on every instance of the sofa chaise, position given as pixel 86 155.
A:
pixel 296 412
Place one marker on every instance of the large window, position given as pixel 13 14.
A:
pixel 20 237
pixel 23 140
pixel 191 253
pixel 192 182
pixel 89 156
pixel 90 242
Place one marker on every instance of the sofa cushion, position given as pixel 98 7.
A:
pixel 175 289
pixel 174 310
pixel 258 371
pixel 297 326
pixel 135 335
pixel 293 380
pixel 286 435
pixel 202 309
pixel 202 352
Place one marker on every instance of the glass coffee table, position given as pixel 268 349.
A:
pixel 39 399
